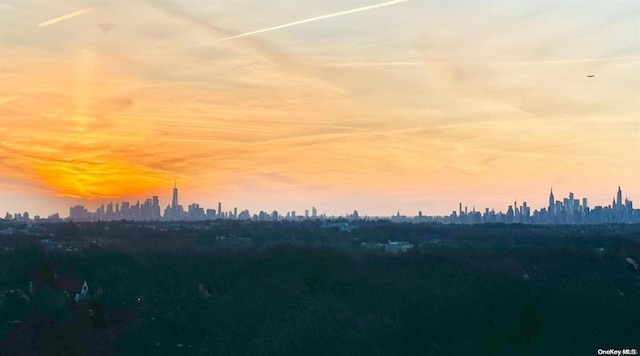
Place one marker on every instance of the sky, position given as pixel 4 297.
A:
pixel 369 105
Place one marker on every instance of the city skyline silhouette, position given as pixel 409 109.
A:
pixel 569 210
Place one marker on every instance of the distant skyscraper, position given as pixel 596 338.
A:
pixel 570 202
pixel 619 197
pixel 109 213
pixel 552 202
pixel 174 200
pixel 155 206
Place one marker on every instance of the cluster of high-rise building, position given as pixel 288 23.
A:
pixel 150 211
pixel 25 217
pixel 569 210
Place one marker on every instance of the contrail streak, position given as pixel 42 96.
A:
pixel 381 64
pixel 64 17
pixel 578 60
pixel 420 63
pixel 317 18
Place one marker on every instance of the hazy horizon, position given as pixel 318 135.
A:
pixel 375 106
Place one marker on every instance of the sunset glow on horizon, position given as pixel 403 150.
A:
pixel 414 105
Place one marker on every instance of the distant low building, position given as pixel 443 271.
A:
pixel 340 225
pixel 372 246
pixel 397 246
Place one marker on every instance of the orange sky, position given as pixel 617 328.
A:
pixel 412 105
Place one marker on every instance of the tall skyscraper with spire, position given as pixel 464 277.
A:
pixel 174 200
pixel 174 211
pixel 619 197
pixel 552 202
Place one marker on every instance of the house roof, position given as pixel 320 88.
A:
pixel 69 284
pixel 49 274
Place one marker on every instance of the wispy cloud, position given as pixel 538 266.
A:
pixel 402 102
pixel 9 99
pixel 65 17
pixel 317 18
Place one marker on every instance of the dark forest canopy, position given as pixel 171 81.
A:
pixel 238 288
